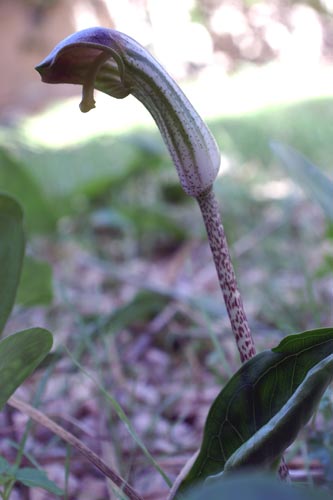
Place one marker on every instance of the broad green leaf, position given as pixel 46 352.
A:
pixel 20 354
pixel 307 175
pixel 17 181
pixel 37 478
pixel 287 379
pixel 35 284
pixel 87 168
pixel 281 430
pixel 254 487
pixel 11 254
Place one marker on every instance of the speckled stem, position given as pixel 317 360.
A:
pixel 218 243
pixel 226 274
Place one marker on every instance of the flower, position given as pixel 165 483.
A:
pixel 112 62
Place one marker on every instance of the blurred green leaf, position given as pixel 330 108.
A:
pixel 268 399
pixel 11 254
pixel 90 167
pixel 246 135
pixel 16 181
pixel 254 487
pixel 153 220
pixel 4 465
pixel 142 307
pixel 20 354
pixel 35 284
pixel 326 267
pixel 307 175
pixel 173 193
pixel 108 219
pixel 37 478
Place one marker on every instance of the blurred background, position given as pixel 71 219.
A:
pixel 129 287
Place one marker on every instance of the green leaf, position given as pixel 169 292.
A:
pixel 254 487
pixel 144 305
pixel 307 175
pixel 147 220
pixel 20 354
pixel 87 169
pixel 141 308
pixel 37 478
pixel 7 471
pixel 17 181
pixel 11 254
pixel 35 284
pixel 4 465
pixel 270 398
pixel 281 430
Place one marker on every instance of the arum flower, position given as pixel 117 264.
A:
pixel 114 63
pixel 117 65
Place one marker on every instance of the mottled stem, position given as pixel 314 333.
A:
pixel 226 274
pixel 218 243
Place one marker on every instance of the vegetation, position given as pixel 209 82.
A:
pixel 281 221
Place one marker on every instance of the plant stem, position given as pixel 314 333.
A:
pixel 218 243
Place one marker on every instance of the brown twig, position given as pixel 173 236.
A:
pixel 42 419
